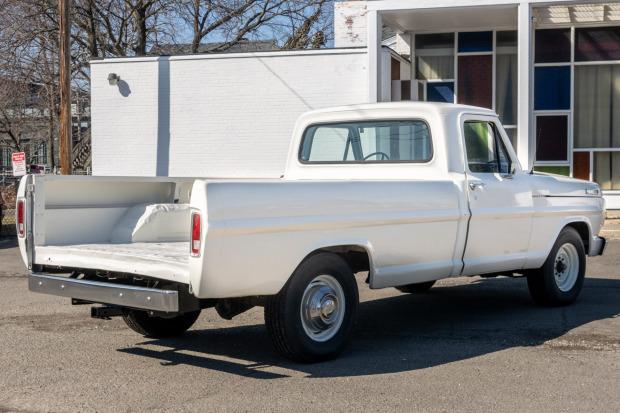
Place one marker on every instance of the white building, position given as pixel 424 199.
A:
pixel 550 69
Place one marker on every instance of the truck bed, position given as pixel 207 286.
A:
pixel 164 260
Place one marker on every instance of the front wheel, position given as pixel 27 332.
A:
pixel 559 281
pixel 311 319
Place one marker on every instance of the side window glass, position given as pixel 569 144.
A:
pixel 505 164
pixel 486 152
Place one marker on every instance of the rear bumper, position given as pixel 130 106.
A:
pixel 597 246
pixel 105 293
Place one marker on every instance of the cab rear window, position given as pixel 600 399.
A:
pixel 367 142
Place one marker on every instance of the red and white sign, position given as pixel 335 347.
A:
pixel 19 163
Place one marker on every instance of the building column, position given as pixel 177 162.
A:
pixel 413 69
pixel 525 142
pixel 374 55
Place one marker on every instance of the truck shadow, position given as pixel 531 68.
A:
pixel 7 242
pixel 409 332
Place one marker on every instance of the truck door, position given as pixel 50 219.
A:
pixel 500 200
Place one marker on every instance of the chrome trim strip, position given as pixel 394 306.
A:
pixel 105 292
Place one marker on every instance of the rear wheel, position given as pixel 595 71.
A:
pixel 560 279
pixel 416 288
pixel 311 319
pixel 159 327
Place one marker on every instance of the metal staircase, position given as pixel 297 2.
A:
pixel 81 153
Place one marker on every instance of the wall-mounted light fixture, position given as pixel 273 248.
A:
pixel 113 79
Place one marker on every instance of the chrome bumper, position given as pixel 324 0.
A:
pixel 597 246
pixel 105 293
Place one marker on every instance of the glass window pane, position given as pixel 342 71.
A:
pixel 434 41
pixel 557 170
pixel 434 56
pixel 435 67
pixel 552 88
pixel 327 143
pixel 506 39
pixel 552 138
pixel 405 90
pixel 476 42
pixel 421 91
pixel 506 88
pixel 376 141
pixel 552 46
pixel 475 83
pixel 597 106
pixel 597 43
pixel 440 92
pixel 512 136
pixel 581 165
pixel 607 169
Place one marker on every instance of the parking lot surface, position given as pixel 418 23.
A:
pixel 469 344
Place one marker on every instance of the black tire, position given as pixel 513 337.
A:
pixel 283 314
pixel 159 327
pixel 542 283
pixel 416 288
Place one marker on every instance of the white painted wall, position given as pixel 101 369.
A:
pixel 214 115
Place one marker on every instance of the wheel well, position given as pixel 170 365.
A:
pixel 584 232
pixel 356 256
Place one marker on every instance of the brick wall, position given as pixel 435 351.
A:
pixel 350 26
pixel 214 115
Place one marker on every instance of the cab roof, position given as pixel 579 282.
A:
pixel 443 108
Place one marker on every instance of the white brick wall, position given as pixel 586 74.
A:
pixel 227 115
pixel 350 26
pixel 124 129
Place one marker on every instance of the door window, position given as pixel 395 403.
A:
pixel 485 149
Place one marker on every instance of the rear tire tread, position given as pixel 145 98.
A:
pixel 158 327
pixel 287 336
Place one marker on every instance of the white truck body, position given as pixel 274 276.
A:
pixel 414 221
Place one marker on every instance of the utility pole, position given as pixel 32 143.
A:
pixel 65 87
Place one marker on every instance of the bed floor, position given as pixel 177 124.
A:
pixel 165 260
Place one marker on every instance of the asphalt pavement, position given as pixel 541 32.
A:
pixel 469 344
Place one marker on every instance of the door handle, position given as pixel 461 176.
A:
pixel 474 185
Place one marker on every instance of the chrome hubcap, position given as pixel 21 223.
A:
pixel 322 308
pixel 566 267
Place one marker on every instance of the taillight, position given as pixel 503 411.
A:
pixel 21 214
pixel 196 233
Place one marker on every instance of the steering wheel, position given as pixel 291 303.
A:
pixel 383 155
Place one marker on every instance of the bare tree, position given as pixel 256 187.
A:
pixel 232 21
pixel 109 28
pixel 22 115
pixel 308 28
pixel 28 69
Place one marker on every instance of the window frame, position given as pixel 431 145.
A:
pixel 573 64
pixel 375 162
pixel 515 166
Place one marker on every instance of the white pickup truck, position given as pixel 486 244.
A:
pixel 408 192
